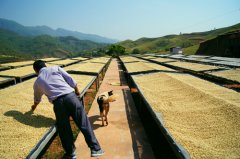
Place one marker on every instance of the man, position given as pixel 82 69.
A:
pixel 61 90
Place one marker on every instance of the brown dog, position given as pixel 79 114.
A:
pixel 103 101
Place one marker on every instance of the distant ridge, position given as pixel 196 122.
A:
pixel 188 41
pixel 45 30
pixel 15 46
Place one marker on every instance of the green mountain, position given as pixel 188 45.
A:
pixel 14 45
pixel 189 42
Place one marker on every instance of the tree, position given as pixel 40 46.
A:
pixel 136 51
pixel 116 50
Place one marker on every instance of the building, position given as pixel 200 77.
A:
pixel 176 50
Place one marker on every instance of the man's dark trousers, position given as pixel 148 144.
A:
pixel 66 106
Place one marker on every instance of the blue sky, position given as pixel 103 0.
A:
pixel 124 19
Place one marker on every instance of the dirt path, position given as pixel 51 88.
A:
pixel 124 137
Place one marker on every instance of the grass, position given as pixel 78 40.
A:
pixel 189 42
pixel 191 50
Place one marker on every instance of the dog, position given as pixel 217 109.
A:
pixel 103 101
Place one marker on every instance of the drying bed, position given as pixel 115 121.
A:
pixel 137 67
pixel 198 56
pixel 160 59
pixel 148 57
pixel 4 67
pixel 79 58
pixel 20 129
pixel 85 67
pixel 18 64
pixel 83 80
pixel 134 67
pixel 50 59
pixel 227 63
pixel 197 59
pixel 99 59
pixel 20 71
pixel 225 59
pixel 201 116
pixel 63 62
pixel 176 56
pixel 158 67
pixel 193 66
pixel 232 74
pixel 126 59
pixel 7 81
pixel 3 79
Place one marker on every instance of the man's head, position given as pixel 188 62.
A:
pixel 37 65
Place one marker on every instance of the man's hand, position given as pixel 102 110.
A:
pixel 34 106
pixel 77 91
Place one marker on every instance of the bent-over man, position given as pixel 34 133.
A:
pixel 61 90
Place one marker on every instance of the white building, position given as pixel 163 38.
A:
pixel 176 50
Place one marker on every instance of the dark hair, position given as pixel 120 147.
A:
pixel 38 64
pixel 110 93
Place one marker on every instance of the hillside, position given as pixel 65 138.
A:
pixel 189 42
pixel 45 30
pixel 14 45
pixel 226 45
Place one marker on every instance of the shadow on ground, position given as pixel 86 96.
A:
pixel 93 119
pixel 28 118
